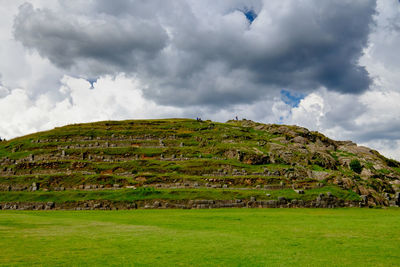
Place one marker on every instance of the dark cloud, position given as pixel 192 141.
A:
pixel 104 44
pixel 207 53
pixel 379 131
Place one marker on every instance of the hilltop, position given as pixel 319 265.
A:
pixel 188 163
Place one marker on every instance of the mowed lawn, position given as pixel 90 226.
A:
pixel 219 237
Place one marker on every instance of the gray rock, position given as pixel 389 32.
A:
pixel 161 143
pixel 282 200
pixel 201 201
pixel 364 201
pixel 300 140
pixel 272 203
pixel 397 198
pixel 50 205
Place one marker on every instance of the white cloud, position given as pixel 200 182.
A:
pixel 371 119
pixel 110 99
pixel 309 111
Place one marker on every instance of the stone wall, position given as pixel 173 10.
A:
pixel 323 201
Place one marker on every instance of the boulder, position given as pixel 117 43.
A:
pixel 282 200
pixel 319 175
pixel 366 173
pixel 49 205
pixel 300 140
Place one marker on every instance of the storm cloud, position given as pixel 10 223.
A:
pixel 207 54
pixel 94 42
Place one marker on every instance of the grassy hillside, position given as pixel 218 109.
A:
pixel 185 159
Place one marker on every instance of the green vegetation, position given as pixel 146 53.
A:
pixel 397 170
pixel 315 167
pixel 129 195
pixel 355 165
pixel 345 153
pixel 224 237
pixel 384 171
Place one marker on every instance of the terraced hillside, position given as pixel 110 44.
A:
pixel 187 163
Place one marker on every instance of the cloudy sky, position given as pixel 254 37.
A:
pixel 331 66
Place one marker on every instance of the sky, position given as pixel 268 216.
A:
pixel 329 66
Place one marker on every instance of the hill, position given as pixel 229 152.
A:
pixel 184 163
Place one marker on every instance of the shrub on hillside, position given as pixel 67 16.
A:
pixel 355 166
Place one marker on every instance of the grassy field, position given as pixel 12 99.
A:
pixel 223 237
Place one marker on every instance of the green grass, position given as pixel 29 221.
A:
pixel 396 169
pixel 129 195
pixel 345 153
pixel 224 237
pixel 315 167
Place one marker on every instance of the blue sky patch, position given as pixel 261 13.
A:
pixel 250 14
pixel 291 98
pixel 92 81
